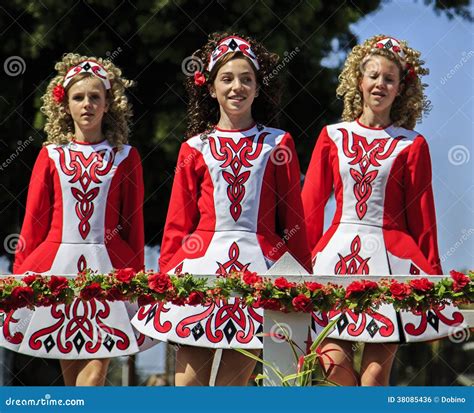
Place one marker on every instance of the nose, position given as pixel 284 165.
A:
pixel 87 102
pixel 236 84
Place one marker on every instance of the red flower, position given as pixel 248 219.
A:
pixel 399 290
pixel 251 278
pixel 459 280
pixel 282 283
pixel 302 303
pixel 58 93
pixel 313 286
pixel 30 279
pixel 195 298
pixel 114 294
pixel 93 290
pixel 178 300
pixel 145 299
pixel 360 287
pixel 199 78
pixel 57 285
pixel 125 275
pixel 22 296
pixel 267 303
pixel 159 282
pixel 421 284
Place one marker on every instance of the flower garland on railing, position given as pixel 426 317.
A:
pixel 279 294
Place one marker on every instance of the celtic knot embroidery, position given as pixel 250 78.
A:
pixel 234 156
pixel 233 264
pixel 86 170
pixel 365 155
pixel 352 263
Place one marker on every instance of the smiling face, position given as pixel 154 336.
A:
pixel 235 88
pixel 87 103
pixel 379 85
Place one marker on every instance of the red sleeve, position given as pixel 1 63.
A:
pixel 131 211
pixel 183 212
pixel 38 212
pixel 420 209
pixel 289 207
pixel 317 188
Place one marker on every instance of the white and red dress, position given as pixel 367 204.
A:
pixel 235 206
pixel 84 210
pixel 384 224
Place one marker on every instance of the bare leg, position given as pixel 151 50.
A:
pixel 84 372
pixel 235 368
pixel 377 362
pixel 340 370
pixel 193 366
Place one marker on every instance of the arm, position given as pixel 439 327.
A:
pixel 38 212
pixel 183 213
pixel 289 207
pixel 317 188
pixel 131 213
pixel 420 208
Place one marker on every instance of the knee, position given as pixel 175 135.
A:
pixel 344 376
pixel 375 374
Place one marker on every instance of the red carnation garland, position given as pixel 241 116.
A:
pixel 253 290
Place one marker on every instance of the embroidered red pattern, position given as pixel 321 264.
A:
pixel 234 156
pixel 81 317
pixel 233 264
pixel 352 263
pixel 365 155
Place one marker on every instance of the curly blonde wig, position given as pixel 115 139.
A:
pixel 59 125
pixel 411 103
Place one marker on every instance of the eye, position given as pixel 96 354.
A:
pixel 77 97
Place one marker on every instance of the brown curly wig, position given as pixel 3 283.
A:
pixel 203 110
pixel 408 107
pixel 59 125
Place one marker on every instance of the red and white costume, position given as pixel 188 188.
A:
pixel 235 205
pixel 84 210
pixel 384 223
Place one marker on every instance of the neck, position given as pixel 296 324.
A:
pixel 93 136
pixel 227 121
pixel 375 120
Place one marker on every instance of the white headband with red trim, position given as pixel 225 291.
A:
pixel 394 46
pixel 88 66
pixel 232 44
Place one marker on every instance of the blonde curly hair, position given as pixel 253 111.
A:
pixel 59 125
pixel 408 106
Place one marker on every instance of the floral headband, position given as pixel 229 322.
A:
pixel 87 66
pixel 227 45
pixel 393 45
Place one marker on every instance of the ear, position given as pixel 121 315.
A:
pixel 212 91
pixel 66 108
pixel 257 91
pixel 106 107
pixel 401 88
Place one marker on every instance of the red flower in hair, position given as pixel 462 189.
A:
pixel 410 73
pixel 199 78
pixel 58 93
pixel 379 45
